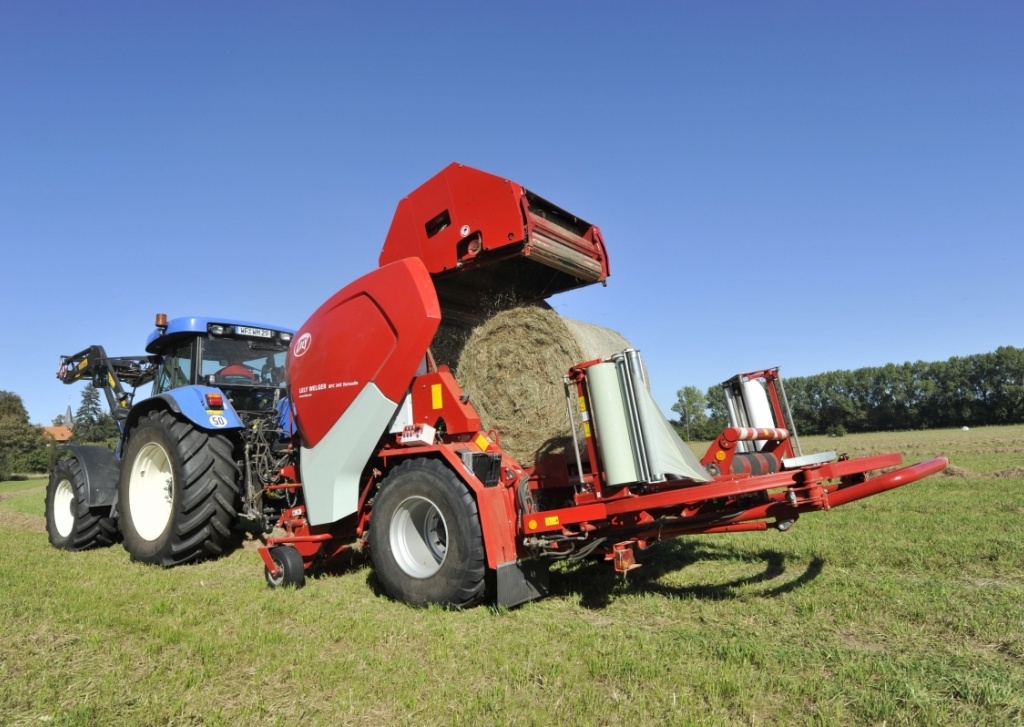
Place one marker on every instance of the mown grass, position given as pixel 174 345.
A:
pixel 903 608
pixel 21 484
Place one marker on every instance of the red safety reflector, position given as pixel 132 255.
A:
pixel 214 401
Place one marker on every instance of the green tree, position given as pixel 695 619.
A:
pixel 691 406
pixel 12 407
pixel 92 424
pixel 718 413
pixel 23 448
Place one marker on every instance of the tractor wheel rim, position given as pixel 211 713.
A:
pixel 151 491
pixel 63 508
pixel 419 537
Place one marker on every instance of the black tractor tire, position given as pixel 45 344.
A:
pixel 289 560
pixel 426 542
pixel 70 522
pixel 178 491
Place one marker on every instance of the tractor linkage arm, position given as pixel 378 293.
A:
pixel 109 374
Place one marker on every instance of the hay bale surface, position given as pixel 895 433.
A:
pixel 512 367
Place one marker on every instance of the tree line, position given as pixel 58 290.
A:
pixel 983 389
pixel 25 448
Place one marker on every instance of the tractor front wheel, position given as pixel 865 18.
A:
pixel 425 540
pixel 70 522
pixel 178 491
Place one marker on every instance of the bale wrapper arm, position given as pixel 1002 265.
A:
pixel 632 491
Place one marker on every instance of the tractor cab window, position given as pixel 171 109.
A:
pixel 230 361
pixel 175 369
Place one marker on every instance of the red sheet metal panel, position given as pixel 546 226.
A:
pixel 462 218
pixel 450 206
pixel 376 329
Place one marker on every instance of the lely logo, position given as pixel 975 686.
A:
pixel 302 344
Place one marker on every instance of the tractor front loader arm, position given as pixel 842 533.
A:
pixel 109 374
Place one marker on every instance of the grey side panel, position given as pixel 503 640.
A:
pixel 101 470
pixel 331 470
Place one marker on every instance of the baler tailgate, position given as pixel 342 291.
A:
pixel 491 244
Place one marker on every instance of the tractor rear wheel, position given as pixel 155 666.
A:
pixel 425 540
pixel 70 522
pixel 178 491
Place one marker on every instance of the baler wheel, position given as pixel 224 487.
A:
pixel 425 541
pixel 289 560
pixel 70 522
pixel 178 491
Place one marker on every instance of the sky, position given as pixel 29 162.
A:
pixel 810 185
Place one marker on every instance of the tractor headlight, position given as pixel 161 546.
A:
pixel 216 329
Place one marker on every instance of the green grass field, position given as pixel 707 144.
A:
pixel 903 608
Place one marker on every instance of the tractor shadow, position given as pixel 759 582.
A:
pixel 596 584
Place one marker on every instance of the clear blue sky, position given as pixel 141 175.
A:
pixel 813 185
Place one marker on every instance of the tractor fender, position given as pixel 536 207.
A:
pixel 100 469
pixel 190 402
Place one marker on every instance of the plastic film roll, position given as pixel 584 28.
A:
pixel 611 422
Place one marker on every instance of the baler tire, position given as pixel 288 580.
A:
pixel 70 523
pixel 293 572
pixel 178 491
pixel 426 541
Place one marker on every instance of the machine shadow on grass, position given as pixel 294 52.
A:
pixel 597 584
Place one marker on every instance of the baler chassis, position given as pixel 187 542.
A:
pixel 387 423
pixel 618 526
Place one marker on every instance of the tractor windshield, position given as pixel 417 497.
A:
pixel 239 362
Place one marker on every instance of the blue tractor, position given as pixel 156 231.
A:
pixel 196 461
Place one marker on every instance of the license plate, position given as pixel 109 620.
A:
pixel 255 332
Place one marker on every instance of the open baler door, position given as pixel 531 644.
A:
pixel 490 244
pixel 349 367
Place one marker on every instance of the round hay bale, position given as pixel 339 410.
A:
pixel 512 367
pixel 450 339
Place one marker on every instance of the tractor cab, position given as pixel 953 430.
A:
pixel 245 360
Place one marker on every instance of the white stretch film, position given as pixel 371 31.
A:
pixel 610 419
pixel 617 437
pixel 673 457
pixel 759 410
